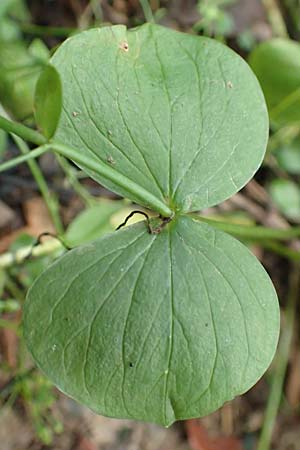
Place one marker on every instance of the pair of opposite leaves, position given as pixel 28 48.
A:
pixel 165 326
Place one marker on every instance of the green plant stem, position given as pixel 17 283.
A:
pixel 255 232
pixel 281 363
pixel 97 166
pixel 97 10
pixel 147 11
pixel 275 18
pixel 73 180
pixel 93 8
pixel 40 30
pixel 285 103
pixel 10 259
pixel 22 131
pixel 13 288
pixel 90 163
pixel 49 199
pixel 281 250
pixel 24 158
pixel 8 324
pixel 283 136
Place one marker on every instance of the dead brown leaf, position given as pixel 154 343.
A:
pixel 199 438
pixel 37 221
pixel 9 346
pixel 293 380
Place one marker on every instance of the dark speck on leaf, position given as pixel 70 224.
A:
pixel 124 46
pixel 110 160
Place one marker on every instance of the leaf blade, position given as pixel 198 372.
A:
pixel 48 101
pixel 191 151
pixel 153 322
pixel 276 64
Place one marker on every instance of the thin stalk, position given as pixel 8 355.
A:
pixel 93 8
pixel 97 166
pixel 4 323
pixel 37 174
pixel 285 103
pixel 97 10
pixel 73 180
pixel 147 11
pixel 279 249
pixel 40 30
pixel 275 18
pixel 255 232
pixel 281 363
pixel 13 288
pixel 282 136
pixel 10 259
pixel 91 163
pixel 24 158
pixel 22 131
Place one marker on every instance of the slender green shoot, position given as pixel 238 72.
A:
pixel 24 158
pixel 40 30
pixel 108 172
pixel 22 131
pixel 281 363
pixel 74 183
pixel 50 199
pixel 282 250
pixel 275 18
pixel 147 11
pixel 98 167
pixel 48 247
pixel 255 232
pixel 8 324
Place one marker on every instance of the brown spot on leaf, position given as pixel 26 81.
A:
pixel 111 160
pixel 124 46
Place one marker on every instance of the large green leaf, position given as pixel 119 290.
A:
pixel 277 66
pixel 154 327
pixel 183 116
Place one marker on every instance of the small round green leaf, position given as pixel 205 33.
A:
pixel 277 66
pixel 286 196
pixel 181 115
pixel 48 101
pixel 154 327
pixel 288 156
pixel 93 222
